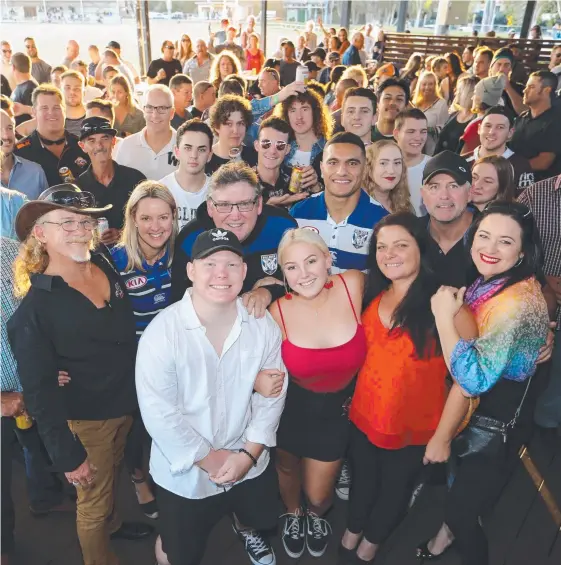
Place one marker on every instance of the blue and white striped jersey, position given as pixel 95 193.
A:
pixel 148 290
pixel 348 240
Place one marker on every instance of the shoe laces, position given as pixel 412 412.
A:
pixel 255 542
pixel 320 526
pixel 292 525
pixel 345 476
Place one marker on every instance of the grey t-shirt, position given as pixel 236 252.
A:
pixel 41 71
pixel 73 125
pixel 288 72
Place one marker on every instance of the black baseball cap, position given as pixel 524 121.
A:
pixel 214 240
pixel 311 66
pixel 450 163
pixel 334 56
pixel 319 52
pixel 94 125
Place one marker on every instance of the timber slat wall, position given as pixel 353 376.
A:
pixel 400 46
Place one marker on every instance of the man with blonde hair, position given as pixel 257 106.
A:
pixel 71 293
pixel 72 86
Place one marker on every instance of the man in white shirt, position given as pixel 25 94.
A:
pixel 196 368
pixel 151 150
pixel 90 92
pixel 411 131
pixel 189 184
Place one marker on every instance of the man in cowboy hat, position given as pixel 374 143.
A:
pixel 75 317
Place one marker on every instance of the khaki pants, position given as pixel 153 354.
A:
pixel 96 516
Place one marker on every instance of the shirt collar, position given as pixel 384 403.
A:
pixel 190 318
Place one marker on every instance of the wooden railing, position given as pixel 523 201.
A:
pixel 400 46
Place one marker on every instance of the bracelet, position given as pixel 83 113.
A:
pixel 249 455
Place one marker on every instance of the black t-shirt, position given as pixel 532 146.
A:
pixel 450 134
pixel 281 186
pixel 177 120
pixel 377 135
pixel 533 136
pixel 195 112
pixel 523 173
pixel 22 94
pixel 117 192
pixel 288 72
pixel 249 156
pixel 171 68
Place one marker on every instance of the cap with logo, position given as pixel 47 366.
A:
pixel 449 163
pixel 95 125
pixel 214 240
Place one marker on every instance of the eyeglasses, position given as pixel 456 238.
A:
pixel 266 143
pixel 170 47
pixel 6 50
pixel 148 108
pixel 72 199
pixel 72 225
pixel 227 207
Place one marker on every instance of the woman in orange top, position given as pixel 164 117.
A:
pixel 398 414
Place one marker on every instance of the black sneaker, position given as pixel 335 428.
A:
pixel 318 531
pixel 258 549
pixel 343 485
pixel 294 534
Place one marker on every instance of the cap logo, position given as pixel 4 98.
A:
pixel 462 169
pixel 219 235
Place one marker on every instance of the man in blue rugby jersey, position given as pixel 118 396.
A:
pixel 234 203
pixel 344 215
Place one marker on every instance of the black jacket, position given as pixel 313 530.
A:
pixel 260 249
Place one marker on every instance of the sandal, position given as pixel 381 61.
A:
pixel 150 509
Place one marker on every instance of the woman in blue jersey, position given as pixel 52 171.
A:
pixel 143 258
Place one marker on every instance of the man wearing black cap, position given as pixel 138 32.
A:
pixel 502 64
pixel 55 149
pixel 445 193
pixel 75 317
pixel 196 369
pixel 318 57
pixel 333 59
pixel 108 181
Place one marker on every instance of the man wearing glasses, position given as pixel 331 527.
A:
pixel 75 316
pixel 234 203
pixel 7 64
pixel 161 70
pixel 151 151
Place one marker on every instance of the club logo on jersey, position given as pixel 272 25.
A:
pixel 172 160
pixel 311 228
pixel 119 291
pixel 333 256
pixel 136 282
pixel 269 264
pixel 159 298
pixel 81 162
pixel 360 238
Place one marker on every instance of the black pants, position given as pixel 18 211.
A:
pixel 186 523
pixel 477 484
pixel 383 481
pixel 136 440
pixel 8 514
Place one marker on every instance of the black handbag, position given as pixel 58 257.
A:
pixel 484 435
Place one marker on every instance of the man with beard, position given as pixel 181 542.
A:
pixel 69 295
pixel 189 183
pixel 495 131
pixel 18 173
pixel 344 215
pixel 109 182
pixel 55 149
pixel 72 86
pixel 40 69
pixel 393 97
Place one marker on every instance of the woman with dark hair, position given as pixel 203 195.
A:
pixel 410 72
pixel 512 319
pixel 343 36
pixel 334 78
pixel 455 71
pixel 493 179
pixel 334 44
pixel 400 414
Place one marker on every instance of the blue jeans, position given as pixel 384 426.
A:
pixel 44 488
pixel 548 407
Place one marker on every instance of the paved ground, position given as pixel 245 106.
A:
pixel 521 530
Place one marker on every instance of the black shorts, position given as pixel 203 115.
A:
pixel 315 425
pixel 186 523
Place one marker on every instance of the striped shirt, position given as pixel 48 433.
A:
pixel 9 370
pixel 348 241
pixel 148 289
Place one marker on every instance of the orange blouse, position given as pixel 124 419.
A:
pixel 398 398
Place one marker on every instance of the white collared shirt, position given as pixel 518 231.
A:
pixel 135 152
pixel 193 400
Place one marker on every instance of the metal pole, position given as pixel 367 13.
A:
pixel 528 17
pixel 346 9
pixel 401 16
pixel 264 5
pixel 143 35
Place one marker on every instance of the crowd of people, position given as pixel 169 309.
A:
pixel 295 277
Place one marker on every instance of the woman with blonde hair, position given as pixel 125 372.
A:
pixel 129 118
pixel 357 73
pixel 410 72
pixel 185 49
pixel 254 57
pixel 385 176
pixel 323 348
pixel 428 98
pixel 462 105
pixel 143 258
pixel 224 65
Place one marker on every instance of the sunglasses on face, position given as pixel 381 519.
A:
pixel 266 144
pixel 170 47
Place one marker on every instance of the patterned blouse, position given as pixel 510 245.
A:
pixel 513 325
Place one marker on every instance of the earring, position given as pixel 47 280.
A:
pixel 288 294
pixel 519 262
pixel 328 285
